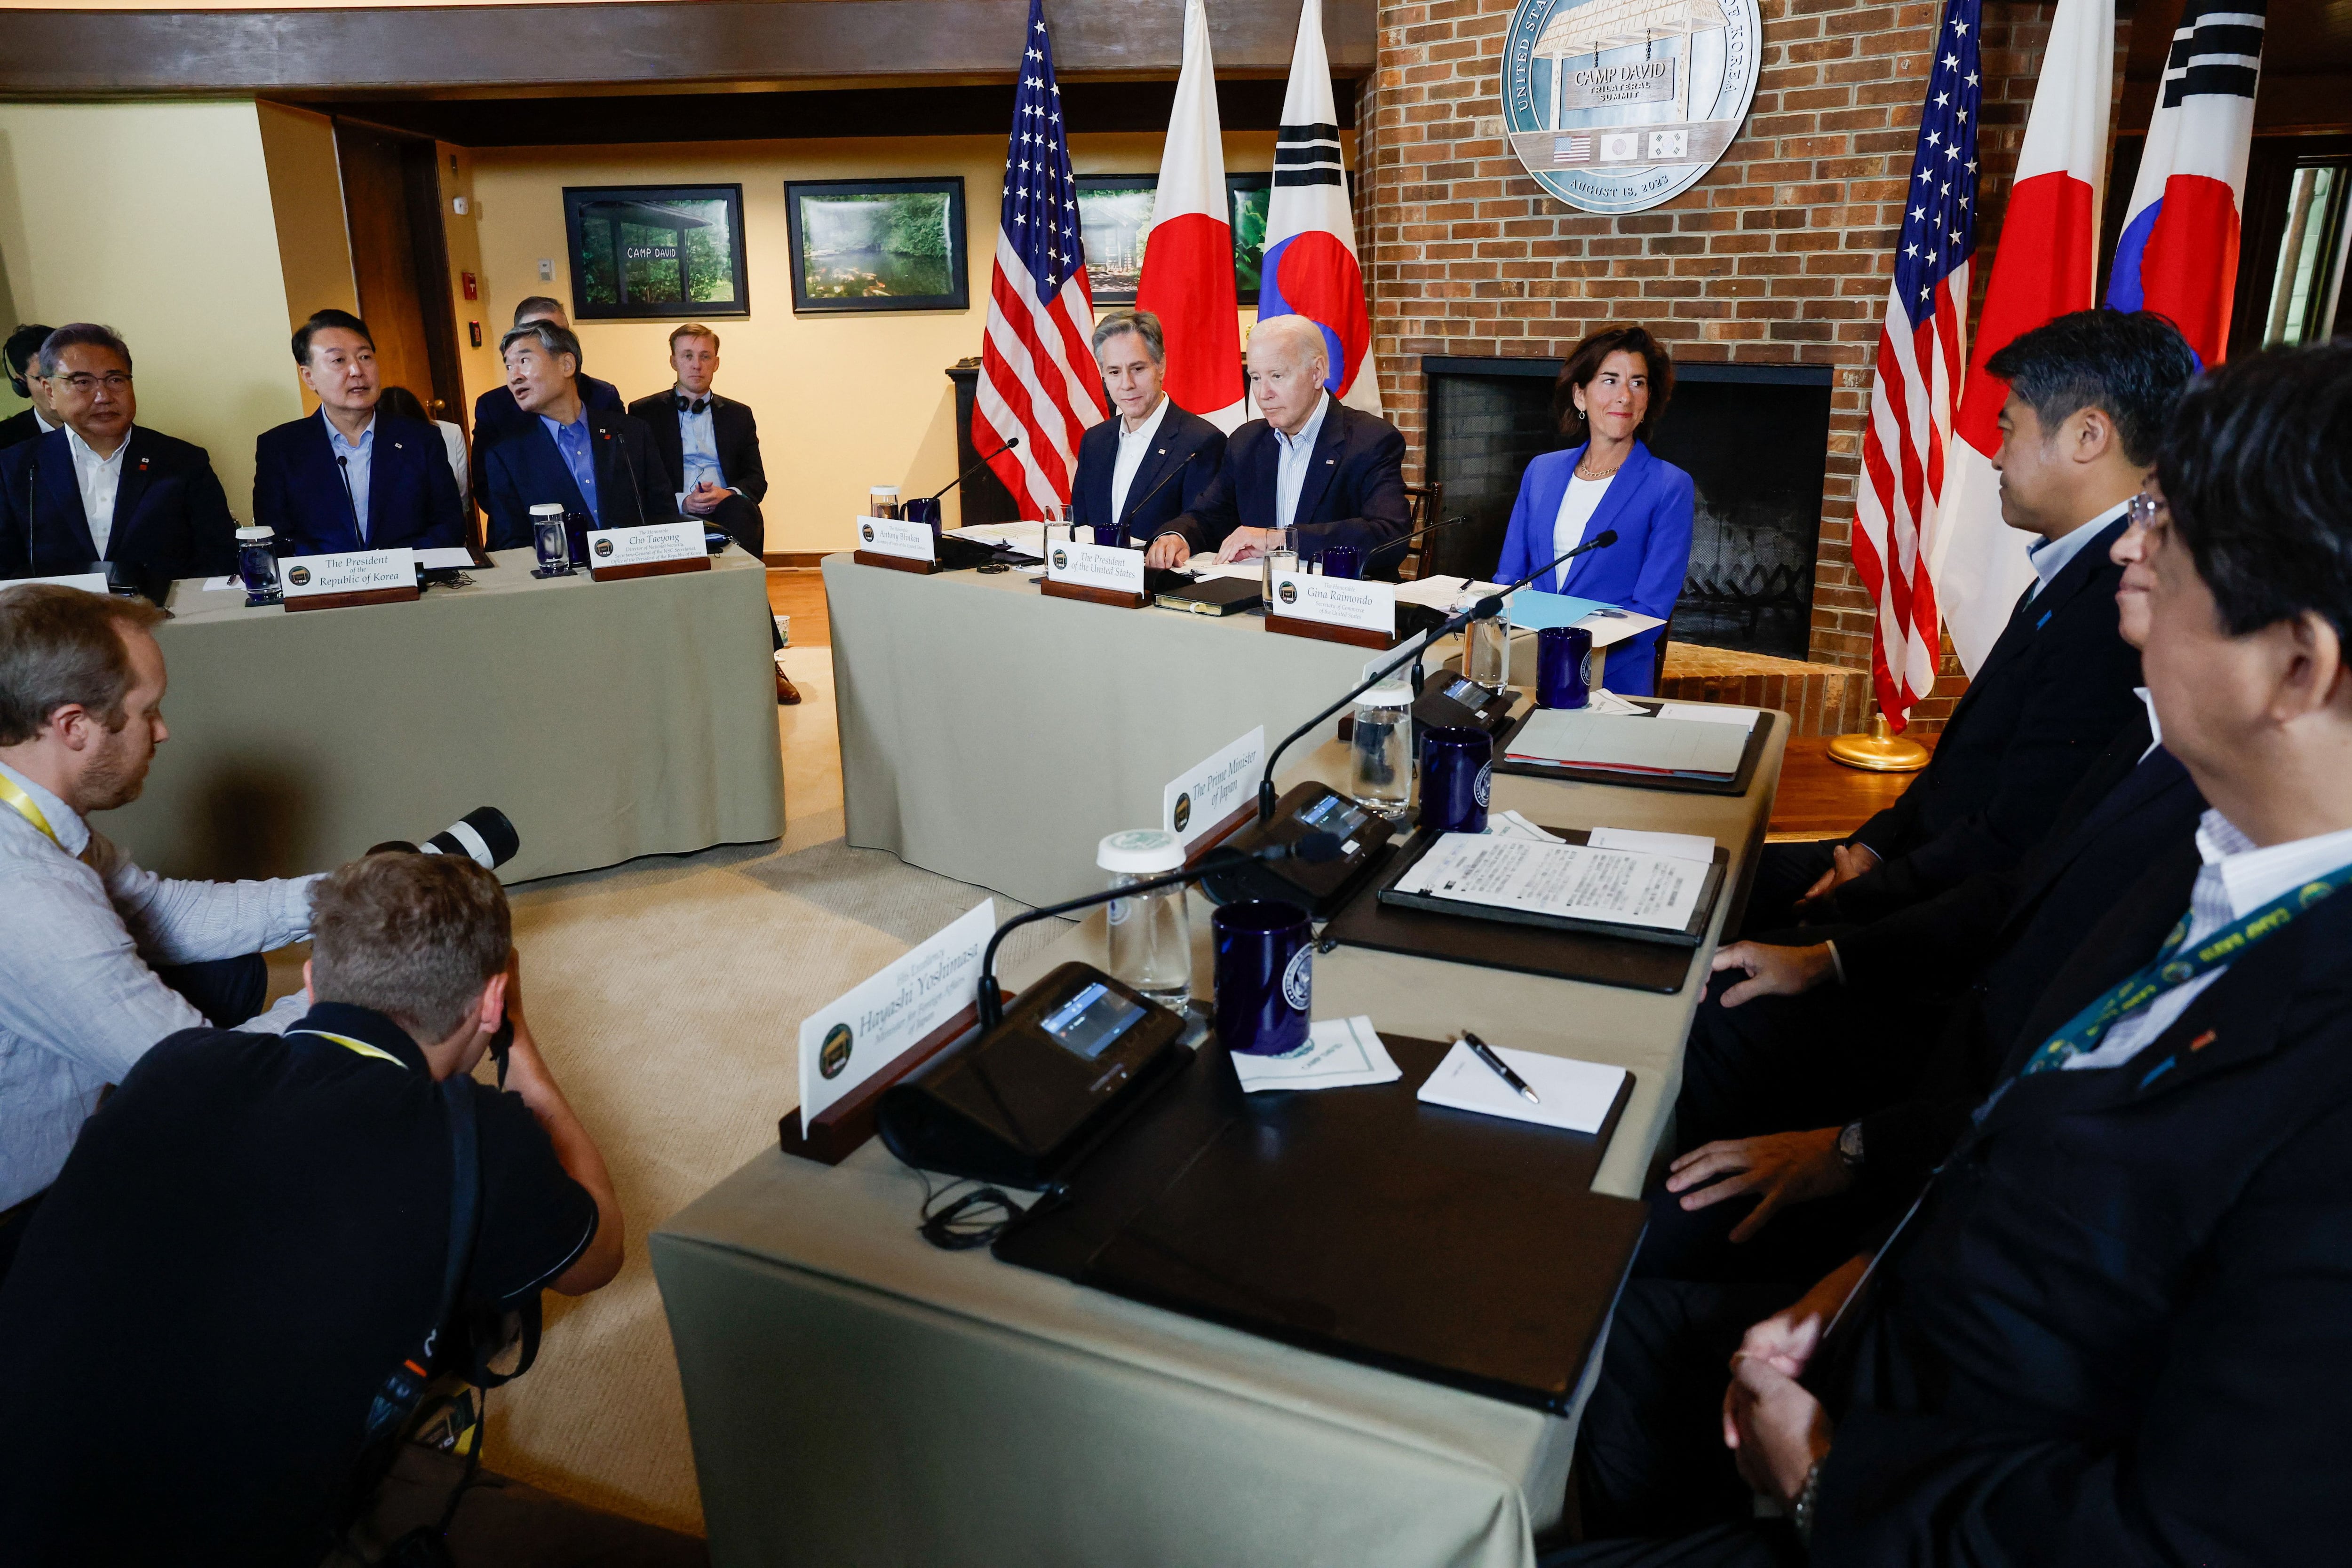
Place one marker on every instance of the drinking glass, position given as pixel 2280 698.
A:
pixel 1563 667
pixel 1486 652
pixel 1457 778
pixel 1265 976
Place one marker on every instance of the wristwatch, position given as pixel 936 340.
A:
pixel 1801 1512
pixel 1849 1147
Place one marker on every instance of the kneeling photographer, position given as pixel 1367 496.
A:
pixel 216 1316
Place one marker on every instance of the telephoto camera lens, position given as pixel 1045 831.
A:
pixel 483 836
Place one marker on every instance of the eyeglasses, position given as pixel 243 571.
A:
pixel 81 382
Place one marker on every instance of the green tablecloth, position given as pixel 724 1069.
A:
pixel 608 720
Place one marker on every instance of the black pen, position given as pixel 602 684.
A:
pixel 1502 1070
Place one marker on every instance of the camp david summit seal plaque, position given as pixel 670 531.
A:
pixel 1615 106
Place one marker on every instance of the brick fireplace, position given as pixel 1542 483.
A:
pixel 1779 258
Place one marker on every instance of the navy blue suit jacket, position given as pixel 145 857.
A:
pixel 412 496
pixel 1181 438
pixel 171 518
pixel 1649 503
pixel 1354 492
pixel 498 417
pixel 2056 687
pixel 632 484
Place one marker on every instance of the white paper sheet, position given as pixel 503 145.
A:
pixel 1603 700
pixel 223 584
pixel 1681 846
pixel 1511 825
pixel 1447 593
pixel 445 557
pixel 1572 881
pixel 1576 1095
pixel 1710 713
pixel 1339 1054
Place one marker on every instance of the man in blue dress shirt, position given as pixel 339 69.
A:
pixel 352 478
pixel 585 458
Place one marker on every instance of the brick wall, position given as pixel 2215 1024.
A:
pixel 1781 254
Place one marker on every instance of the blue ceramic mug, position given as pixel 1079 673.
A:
pixel 922 509
pixel 1264 976
pixel 1342 561
pixel 1457 777
pixel 1563 667
pixel 1108 536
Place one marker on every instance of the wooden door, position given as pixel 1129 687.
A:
pixel 399 257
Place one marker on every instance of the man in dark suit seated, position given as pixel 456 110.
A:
pixel 591 460
pixel 1127 465
pixel 2113 1329
pixel 352 478
pixel 1805 1119
pixel 20 356
pixel 1314 466
pixel 2089 394
pixel 710 445
pixel 104 493
pixel 498 417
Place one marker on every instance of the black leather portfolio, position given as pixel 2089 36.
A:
pixel 1466 1249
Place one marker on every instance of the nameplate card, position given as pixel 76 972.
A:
pixel 88 581
pixel 352 576
pixel 1114 567
pixel 1205 794
pixel 1347 601
pixel 613 552
pixel 848 1040
pixel 894 536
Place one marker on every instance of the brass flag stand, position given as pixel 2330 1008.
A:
pixel 1879 749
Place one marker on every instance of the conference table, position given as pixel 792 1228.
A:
pixel 607 720
pixel 981 722
pixel 858 1396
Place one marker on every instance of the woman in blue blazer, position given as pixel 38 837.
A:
pixel 1613 388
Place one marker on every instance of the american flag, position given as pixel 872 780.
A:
pixel 1038 379
pixel 1922 363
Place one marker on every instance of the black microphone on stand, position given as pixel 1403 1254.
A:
pixel 977 463
pixel 1485 608
pixel 1315 849
pixel 1136 507
pixel 1425 533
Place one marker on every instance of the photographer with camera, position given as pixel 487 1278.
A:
pixel 262 1241
pixel 99 959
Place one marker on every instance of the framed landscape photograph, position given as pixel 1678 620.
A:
pixel 1115 221
pixel 877 245
pixel 645 252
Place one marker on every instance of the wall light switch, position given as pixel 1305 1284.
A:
pixel 547 269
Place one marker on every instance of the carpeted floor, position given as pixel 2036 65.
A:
pixel 666 995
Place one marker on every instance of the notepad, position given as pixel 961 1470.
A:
pixel 1572 737
pixel 1576 1095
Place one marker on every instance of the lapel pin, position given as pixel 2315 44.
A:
pixel 1330 462
pixel 2203 1040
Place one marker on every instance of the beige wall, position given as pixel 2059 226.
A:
pixel 306 198
pixel 844 401
pixel 155 218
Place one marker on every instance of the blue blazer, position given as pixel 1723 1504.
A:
pixel 1354 492
pixel 632 481
pixel 412 496
pixel 170 517
pixel 498 417
pixel 1649 503
pixel 1183 437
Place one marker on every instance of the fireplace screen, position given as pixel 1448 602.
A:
pixel 1753 438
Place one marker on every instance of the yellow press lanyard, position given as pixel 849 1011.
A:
pixel 348 1043
pixel 26 808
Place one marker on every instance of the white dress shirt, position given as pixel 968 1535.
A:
pixel 453 437
pixel 2050 557
pixel 1298 452
pixel 79 925
pixel 44 424
pixel 99 478
pixel 357 460
pixel 1577 504
pixel 697 442
pixel 2236 880
pixel 1134 445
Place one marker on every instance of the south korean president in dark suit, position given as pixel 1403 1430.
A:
pixel 352 476
pixel 591 461
pixel 102 489
pixel 709 443
pixel 1313 464
pixel 1149 462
